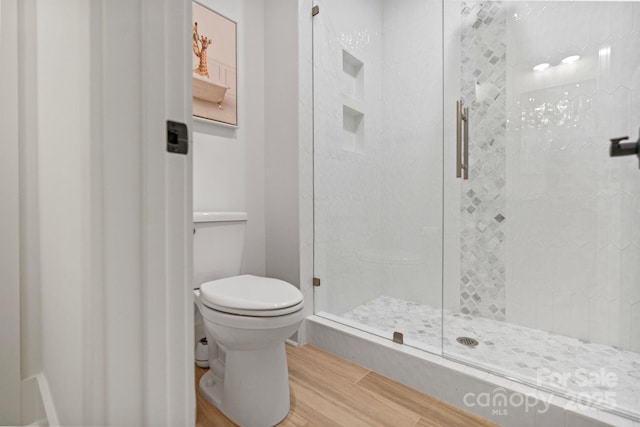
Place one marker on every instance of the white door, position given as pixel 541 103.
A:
pixel 114 210
pixel 9 219
pixel 147 208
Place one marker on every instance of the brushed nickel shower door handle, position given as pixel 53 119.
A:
pixel 465 165
pixel 462 134
pixel 458 139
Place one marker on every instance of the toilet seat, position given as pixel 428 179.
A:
pixel 249 295
pixel 255 313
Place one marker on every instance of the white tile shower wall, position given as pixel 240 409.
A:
pixel 573 216
pixel 347 172
pixel 411 184
pixel 379 198
pixel 482 207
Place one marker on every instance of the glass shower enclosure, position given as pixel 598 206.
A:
pixel 378 162
pixel 465 201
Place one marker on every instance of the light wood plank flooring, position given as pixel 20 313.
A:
pixel 329 391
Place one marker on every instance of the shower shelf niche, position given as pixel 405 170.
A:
pixel 353 69
pixel 353 125
pixel 352 109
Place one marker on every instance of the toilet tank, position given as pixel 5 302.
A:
pixel 218 245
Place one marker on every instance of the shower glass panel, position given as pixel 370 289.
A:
pixel 548 227
pixel 378 177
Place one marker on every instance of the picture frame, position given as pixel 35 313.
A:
pixel 214 67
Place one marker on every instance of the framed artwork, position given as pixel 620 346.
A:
pixel 214 77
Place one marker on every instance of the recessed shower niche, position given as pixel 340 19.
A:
pixel 352 116
pixel 354 70
pixel 353 124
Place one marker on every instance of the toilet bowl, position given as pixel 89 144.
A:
pixel 249 318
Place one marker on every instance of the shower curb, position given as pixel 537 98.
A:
pixel 456 383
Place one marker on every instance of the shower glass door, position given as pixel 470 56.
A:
pixel 545 249
pixel 378 166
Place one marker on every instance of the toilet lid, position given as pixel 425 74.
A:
pixel 248 293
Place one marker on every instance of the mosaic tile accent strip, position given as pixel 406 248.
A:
pixel 554 361
pixel 483 90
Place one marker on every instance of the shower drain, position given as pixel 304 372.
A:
pixel 469 342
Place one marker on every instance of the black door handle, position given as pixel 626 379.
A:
pixel 620 148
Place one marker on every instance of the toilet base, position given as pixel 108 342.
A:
pixel 255 389
pixel 211 389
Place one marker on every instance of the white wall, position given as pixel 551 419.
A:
pixel 229 163
pixel 281 130
pixel 255 261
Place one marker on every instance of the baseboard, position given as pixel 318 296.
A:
pixel 292 342
pixel 47 400
pixel 38 408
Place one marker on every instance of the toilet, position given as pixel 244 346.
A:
pixel 246 321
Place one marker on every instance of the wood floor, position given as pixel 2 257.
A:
pixel 329 391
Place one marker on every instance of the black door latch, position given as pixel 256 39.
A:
pixel 177 137
pixel 618 148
